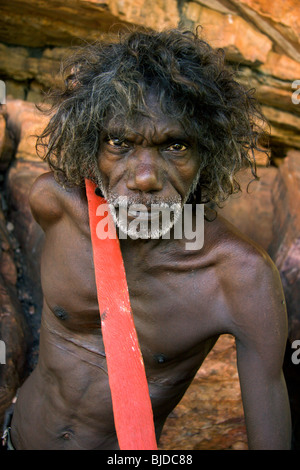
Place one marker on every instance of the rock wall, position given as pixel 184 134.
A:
pixel 262 42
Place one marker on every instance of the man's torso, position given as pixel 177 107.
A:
pixel 179 312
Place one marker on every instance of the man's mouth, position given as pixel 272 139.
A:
pixel 142 215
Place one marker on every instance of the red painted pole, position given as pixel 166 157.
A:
pixel 127 378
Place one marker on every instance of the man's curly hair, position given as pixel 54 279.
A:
pixel 192 83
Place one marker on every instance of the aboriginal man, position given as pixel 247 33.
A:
pixel 155 118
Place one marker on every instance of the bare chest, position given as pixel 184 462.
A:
pixel 172 294
pixel 170 307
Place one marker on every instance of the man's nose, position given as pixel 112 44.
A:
pixel 145 172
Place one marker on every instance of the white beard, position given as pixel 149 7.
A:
pixel 155 223
pixel 153 217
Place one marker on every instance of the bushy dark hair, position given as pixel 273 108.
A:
pixel 192 83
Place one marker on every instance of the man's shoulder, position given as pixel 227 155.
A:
pixel 236 249
pixel 248 277
pixel 49 200
pixel 46 182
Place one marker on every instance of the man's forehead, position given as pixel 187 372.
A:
pixel 155 124
pixel 152 113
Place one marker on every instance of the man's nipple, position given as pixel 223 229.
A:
pixel 60 313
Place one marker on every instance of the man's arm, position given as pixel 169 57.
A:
pixel 260 329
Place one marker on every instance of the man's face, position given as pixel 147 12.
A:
pixel 155 163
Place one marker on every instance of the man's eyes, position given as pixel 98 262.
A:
pixel 117 143
pixel 177 147
pixel 122 144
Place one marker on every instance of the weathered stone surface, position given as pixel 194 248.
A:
pixel 231 32
pixel 269 215
pixel 217 5
pixel 25 121
pixel 279 22
pixel 281 66
pixel 29 234
pixel 252 212
pixel 7 266
pixel 285 246
pixel 285 250
pixel 66 22
pixel 251 32
pixel 269 90
pixel 275 96
pixel 60 24
pixel 2 140
pixel 6 143
pixel 13 328
pixel 157 15
pixel 210 415
pixel 12 332
pixel 284 127
pixel 24 64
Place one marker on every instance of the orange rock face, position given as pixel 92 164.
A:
pixel 231 32
pixel 262 37
pixel 284 13
pixel 13 327
pixel 25 122
pixel 279 20
pixel 210 415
